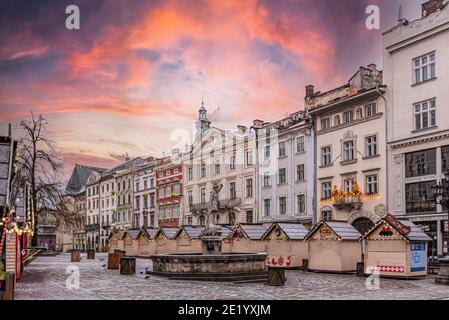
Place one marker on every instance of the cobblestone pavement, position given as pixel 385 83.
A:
pixel 46 278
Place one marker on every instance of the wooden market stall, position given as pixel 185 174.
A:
pixel 147 243
pixel 116 240
pixel 165 240
pixel 188 239
pixel 247 238
pixel 130 243
pixel 334 246
pixel 395 248
pixel 285 245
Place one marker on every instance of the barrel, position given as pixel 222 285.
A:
pixel 127 265
pixel 75 256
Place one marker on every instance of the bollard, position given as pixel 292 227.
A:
pixel 90 254
pixel 9 286
pixel 360 269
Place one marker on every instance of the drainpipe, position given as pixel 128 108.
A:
pixel 386 142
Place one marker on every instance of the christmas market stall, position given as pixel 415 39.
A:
pixel 285 245
pixel 188 239
pixel 130 243
pixel 396 248
pixel 116 241
pixel 165 240
pixel 147 243
pixel 247 238
pixel 334 246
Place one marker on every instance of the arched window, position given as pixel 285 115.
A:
pixel 363 225
pixel 326 214
pixel 201 221
pixel 231 218
pixel 217 219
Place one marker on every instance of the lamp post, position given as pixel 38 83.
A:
pixel 441 193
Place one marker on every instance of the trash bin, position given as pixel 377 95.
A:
pixel 113 261
pixel 75 256
pixel 127 265
pixel 276 276
pixel 90 254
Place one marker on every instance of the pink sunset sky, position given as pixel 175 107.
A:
pixel 137 70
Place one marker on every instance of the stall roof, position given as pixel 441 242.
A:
pixel 169 232
pixel 191 231
pixel 225 232
pixel 252 231
pixel 133 233
pixel 342 229
pixel 151 232
pixel 294 231
pixel 119 235
pixel 415 234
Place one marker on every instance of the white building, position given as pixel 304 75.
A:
pixel 108 199
pixel 220 157
pixel 285 169
pixel 92 225
pixel 416 72
pixel 145 195
pixel 351 150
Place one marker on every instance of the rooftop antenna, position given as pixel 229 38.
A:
pixel 400 14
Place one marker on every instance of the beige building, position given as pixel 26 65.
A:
pixel 350 150
pixel 416 72
pixel 226 158
pixel 92 226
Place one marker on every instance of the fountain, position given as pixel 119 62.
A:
pixel 211 264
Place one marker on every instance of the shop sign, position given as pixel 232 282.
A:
pixel 397 224
pixel 418 257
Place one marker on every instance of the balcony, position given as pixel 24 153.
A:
pixel 223 205
pixel 92 227
pixel 347 201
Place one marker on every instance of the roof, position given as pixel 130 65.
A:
pixel 225 231
pixel 133 233
pixel 342 229
pixel 169 232
pixel 126 165
pixel 151 232
pixel 251 231
pixel 119 235
pixel 415 234
pixel 294 231
pixel 191 231
pixel 79 177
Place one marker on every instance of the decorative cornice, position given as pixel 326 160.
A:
pixel 418 140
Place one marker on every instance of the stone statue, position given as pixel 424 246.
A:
pixel 214 206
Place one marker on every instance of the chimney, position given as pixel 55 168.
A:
pixel 241 129
pixel 309 91
pixel 258 123
pixel 432 6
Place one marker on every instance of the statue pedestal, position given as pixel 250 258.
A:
pixel 211 241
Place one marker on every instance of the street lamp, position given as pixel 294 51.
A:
pixel 441 193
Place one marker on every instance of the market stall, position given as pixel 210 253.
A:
pixel 334 246
pixel 165 240
pixel 147 243
pixel 396 248
pixel 188 239
pixel 130 243
pixel 246 238
pixel 285 244
pixel 116 241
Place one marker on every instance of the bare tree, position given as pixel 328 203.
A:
pixel 38 165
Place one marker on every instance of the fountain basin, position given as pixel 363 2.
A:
pixel 237 267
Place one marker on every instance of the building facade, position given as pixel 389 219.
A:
pixel 108 201
pixel 285 169
pixel 145 195
pixel 351 150
pixel 221 158
pixel 92 225
pixel 169 193
pixel 416 72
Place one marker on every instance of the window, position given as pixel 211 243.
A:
pixel 175 170
pixel 176 188
pixel 337 120
pixel 420 163
pixel 267 207
pixel 249 158
pixel 282 205
pixel 300 144
pixel 326 156
pixel 282 176
pixel 203 195
pixel 445 158
pixel 282 151
pixel 217 167
pixel 348 184
pixel 371 184
pixel 190 197
pixel 326 214
pixel 300 174
pixel 266 180
pixel 232 191
pixel 419 197
pixel 326 190
pixel 267 152
pixel 370 110
pixel 137 186
pixel 138 202
pixel 161 192
pixel 168 191
pixel 203 170
pixel 189 221
pixel 301 203
pixel 348 116
pixel 190 173
pixel 371 146
pixel 167 173
pixel 325 123
pixel 201 221
pixel 348 150
pixel 425 114
pixel 249 188
pixel 424 68
pixel 232 163
pixel 249 216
